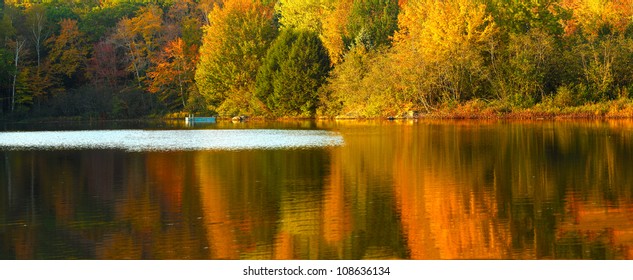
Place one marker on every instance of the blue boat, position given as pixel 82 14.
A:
pixel 192 119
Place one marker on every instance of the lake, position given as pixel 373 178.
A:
pixel 317 190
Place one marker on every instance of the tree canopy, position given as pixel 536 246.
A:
pixel 306 58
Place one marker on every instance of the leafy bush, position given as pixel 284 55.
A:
pixel 564 97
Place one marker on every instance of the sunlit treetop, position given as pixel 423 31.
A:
pixel 303 14
pixel 599 17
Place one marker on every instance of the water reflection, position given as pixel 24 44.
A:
pixel 476 190
pixel 428 190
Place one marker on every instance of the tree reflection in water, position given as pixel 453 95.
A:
pixel 418 190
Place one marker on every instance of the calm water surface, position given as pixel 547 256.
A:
pixel 317 190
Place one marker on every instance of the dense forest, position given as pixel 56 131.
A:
pixel 315 58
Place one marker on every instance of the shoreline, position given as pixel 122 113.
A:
pixel 470 110
pixel 517 116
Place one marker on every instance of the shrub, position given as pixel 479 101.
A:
pixel 564 97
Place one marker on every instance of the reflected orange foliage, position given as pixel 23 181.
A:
pixel 396 190
pixel 218 223
pixel 612 224
pixel 148 210
pixel 441 219
pixel 24 243
pixel 169 177
pixel 336 218
pixel 119 246
pixel 63 201
pixel 284 246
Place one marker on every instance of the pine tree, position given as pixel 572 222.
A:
pixel 296 66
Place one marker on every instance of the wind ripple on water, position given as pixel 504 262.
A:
pixel 170 140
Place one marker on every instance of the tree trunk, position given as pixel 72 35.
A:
pixel 182 94
pixel 18 49
pixel 37 30
pixel 136 70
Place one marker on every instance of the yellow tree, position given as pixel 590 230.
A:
pixel 326 18
pixel 233 46
pixel 334 24
pixel 593 16
pixel 139 37
pixel 206 6
pixel 304 14
pixel 68 53
pixel 349 21
pixel 447 38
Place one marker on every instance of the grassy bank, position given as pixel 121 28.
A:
pixel 481 109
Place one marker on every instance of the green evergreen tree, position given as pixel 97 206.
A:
pixel 375 19
pixel 294 69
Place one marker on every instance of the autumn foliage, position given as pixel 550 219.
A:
pixel 172 74
pixel 234 43
pixel 68 53
pixel 386 57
